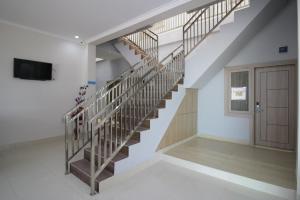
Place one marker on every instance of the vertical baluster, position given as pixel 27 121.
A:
pixel 197 31
pixel 111 135
pixel 92 166
pixel 209 17
pixel 121 124
pixel 116 130
pixel 66 145
pixel 77 130
pixel 189 39
pixel 222 9
pixel 133 110
pixel 194 32
pixel 73 122
pixel 147 99
pixel 126 119
pixel 227 7
pixel 83 127
pixel 105 135
pixel 141 104
pixel 205 20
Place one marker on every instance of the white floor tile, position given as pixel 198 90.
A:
pixel 37 172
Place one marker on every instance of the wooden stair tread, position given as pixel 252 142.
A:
pixel 139 129
pixel 82 169
pixel 118 157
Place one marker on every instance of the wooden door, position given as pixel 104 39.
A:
pixel 275 107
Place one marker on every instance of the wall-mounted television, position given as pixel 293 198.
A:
pixel 32 70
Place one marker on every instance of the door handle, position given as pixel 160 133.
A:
pixel 258 107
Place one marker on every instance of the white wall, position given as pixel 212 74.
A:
pixel 211 119
pixel 32 110
pixel 170 40
pixel 127 54
pixel 166 49
pixel 263 48
pixel 109 69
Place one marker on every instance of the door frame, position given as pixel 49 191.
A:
pixel 251 113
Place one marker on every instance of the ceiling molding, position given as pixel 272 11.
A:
pixel 145 19
pixel 38 31
pixel 148 18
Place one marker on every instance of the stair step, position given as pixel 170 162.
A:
pixel 175 88
pixel 139 129
pixel 168 95
pixel 127 118
pixel 117 158
pixel 181 81
pixel 82 170
pixel 125 149
pixel 111 166
pixel 161 104
pixel 124 152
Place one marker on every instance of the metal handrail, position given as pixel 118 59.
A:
pixel 178 21
pixel 151 35
pixel 76 120
pixel 102 89
pixel 81 117
pixel 110 131
pixel 140 69
pixel 204 21
pixel 145 40
pixel 106 108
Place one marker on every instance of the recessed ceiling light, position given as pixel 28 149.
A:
pixel 98 59
pixel 76 37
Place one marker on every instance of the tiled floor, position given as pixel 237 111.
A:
pixel 37 172
pixel 275 167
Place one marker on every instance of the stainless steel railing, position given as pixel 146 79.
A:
pixel 204 21
pixel 146 41
pixel 181 19
pixel 77 134
pixel 113 126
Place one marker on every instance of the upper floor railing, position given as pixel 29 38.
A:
pixel 146 41
pixel 204 21
pixel 180 20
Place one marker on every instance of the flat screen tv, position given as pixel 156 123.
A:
pixel 32 70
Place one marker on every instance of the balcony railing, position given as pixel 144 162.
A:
pixel 181 19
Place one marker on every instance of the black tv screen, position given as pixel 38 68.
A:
pixel 32 70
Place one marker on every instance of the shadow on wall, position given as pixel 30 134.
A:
pixel 110 69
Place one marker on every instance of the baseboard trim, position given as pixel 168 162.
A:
pixel 14 146
pixel 221 139
pixel 176 144
pixel 275 190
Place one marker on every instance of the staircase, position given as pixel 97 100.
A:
pixel 106 125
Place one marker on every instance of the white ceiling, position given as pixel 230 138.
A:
pixel 68 18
